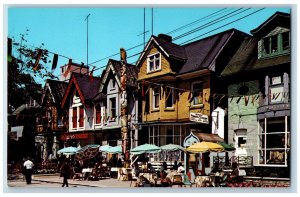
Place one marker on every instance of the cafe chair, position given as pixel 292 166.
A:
pixel 122 174
pixel 177 180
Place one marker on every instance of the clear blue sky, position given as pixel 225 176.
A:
pixel 63 30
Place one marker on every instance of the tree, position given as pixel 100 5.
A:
pixel 28 64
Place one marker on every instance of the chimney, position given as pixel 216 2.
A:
pixel 165 37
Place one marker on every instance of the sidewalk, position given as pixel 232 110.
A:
pixel 105 182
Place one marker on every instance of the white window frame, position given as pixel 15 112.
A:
pixel 154 60
pixel 78 118
pixel 172 94
pixel 192 89
pixel 111 84
pixel 110 109
pixel 153 98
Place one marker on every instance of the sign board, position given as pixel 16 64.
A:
pixel 190 139
pixel 198 117
pixel 74 136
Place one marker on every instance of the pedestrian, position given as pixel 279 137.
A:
pixel 175 166
pixel 65 172
pixel 180 168
pixel 28 165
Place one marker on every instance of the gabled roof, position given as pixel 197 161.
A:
pixel 114 67
pixel 86 87
pixel 202 53
pixel 277 19
pixel 56 89
pixel 246 59
pixel 197 55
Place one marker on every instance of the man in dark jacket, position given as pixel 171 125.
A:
pixel 65 171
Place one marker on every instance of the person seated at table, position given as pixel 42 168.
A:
pixel 150 168
pixel 164 180
pixel 234 173
pixel 180 168
pixel 164 166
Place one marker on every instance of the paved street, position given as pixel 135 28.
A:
pixel 56 181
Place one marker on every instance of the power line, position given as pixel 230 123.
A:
pixel 196 21
pixel 213 22
pixel 223 25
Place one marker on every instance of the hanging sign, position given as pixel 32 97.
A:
pixel 74 136
pixel 198 117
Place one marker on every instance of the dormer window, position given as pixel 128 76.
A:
pixel 153 63
pixel 276 44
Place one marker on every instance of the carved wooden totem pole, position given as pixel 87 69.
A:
pixel 123 101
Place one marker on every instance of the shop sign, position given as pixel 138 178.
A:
pixel 76 136
pixel 198 117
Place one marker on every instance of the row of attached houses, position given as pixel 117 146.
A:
pixel 230 84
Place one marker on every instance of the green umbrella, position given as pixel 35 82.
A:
pixel 172 147
pixel 115 149
pixel 226 146
pixel 145 148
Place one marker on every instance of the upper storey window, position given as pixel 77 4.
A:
pixel 154 63
pixel 276 44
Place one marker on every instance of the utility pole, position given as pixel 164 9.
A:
pixel 123 101
pixel 87 40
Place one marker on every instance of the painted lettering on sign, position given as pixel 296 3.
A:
pixel 74 136
pixel 198 117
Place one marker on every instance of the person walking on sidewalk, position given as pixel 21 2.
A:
pixel 65 171
pixel 28 165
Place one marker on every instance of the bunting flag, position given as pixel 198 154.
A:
pixel 246 100
pixel 68 69
pixel 238 100
pixel 221 98
pixel 231 99
pixel 257 97
pixel 36 64
pixel 54 62
pixel 277 95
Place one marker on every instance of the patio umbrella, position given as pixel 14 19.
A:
pixel 105 148
pixel 202 147
pixel 68 150
pixel 172 147
pixel 115 149
pixel 145 148
pixel 87 152
pixel 226 146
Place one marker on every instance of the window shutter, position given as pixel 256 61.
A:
pixel 74 119
pixel 81 116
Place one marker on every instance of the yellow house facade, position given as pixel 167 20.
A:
pixel 177 84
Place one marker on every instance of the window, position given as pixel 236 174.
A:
pixel 81 116
pixel 240 138
pixel 74 118
pixel 113 112
pixel 155 98
pixel 169 97
pixel 153 63
pixel 112 84
pixel 276 44
pixel 274 141
pixel 197 89
pixel 98 113
pixel 276 89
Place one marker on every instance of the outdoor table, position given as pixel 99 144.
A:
pixel 151 176
pixel 171 174
pixel 201 180
pixel 126 174
pixel 86 172
pixel 114 172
